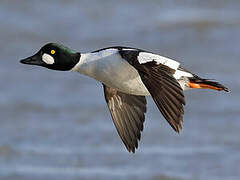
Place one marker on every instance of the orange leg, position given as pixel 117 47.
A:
pixel 203 86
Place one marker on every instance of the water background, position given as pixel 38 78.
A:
pixel 55 125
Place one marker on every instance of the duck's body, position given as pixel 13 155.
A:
pixel 108 67
pixel 112 67
pixel 128 75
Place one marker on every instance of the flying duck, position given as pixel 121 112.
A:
pixel 128 75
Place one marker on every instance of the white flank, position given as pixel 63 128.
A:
pixel 145 57
pixel 48 59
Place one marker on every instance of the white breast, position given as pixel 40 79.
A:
pixel 108 67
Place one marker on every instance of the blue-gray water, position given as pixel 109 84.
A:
pixel 55 125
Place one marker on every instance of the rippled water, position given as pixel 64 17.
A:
pixel 55 125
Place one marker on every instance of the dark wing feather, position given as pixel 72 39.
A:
pixel 165 91
pixel 127 112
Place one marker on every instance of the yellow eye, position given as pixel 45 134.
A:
pixel 53 51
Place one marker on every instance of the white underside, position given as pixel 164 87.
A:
pixel 108 67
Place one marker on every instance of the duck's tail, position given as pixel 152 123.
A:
pixel 197 82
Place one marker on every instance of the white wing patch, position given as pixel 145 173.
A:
pixel 178 74
pixel 128 49
pixel 145 57
pixel 48 59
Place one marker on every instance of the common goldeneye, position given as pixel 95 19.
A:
pixel 128 75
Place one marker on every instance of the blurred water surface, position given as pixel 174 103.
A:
pixel 55 125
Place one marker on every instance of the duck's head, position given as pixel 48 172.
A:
pixel 54 56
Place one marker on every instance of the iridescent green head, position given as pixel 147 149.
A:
pixel 54 56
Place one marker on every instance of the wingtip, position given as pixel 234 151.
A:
pixel 132 150
pixel 178 129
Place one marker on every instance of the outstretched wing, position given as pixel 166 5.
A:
pixel 156 73
pixel 127 112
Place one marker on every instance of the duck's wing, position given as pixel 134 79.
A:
pixel 127 112
pixel 157 73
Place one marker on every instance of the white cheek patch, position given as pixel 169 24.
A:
pixel 145 57
pixel 48 59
